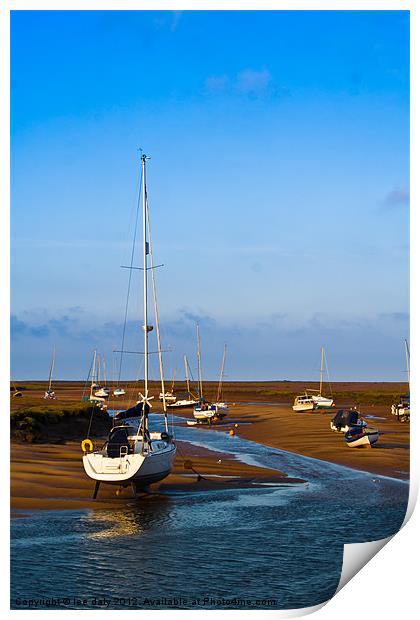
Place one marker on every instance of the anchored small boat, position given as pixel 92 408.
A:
pixel 169 396
pixel 220 407
pixel 133 455
pixel 322 402
pixel 304 403
pixel 119 392
pixel 361 436
pixel 190 400
pixel 345 419
pixel 49 392
pixel 401 410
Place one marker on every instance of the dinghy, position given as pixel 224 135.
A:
pixel 361 436
pixel 133 455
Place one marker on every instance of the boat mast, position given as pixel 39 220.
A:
pixel 187 379
pixel 93 373
pixel 51 369
pixel 145 253
pixel 322 371
pixel 200 381
pixel 407 360
pixel 222 369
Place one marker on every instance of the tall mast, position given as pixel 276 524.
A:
pixel 407 360
pixel 93 372
pixel 187 378
pixel 200 381
pixel 51 369
pixel 222 369
pixel 322 370
pixel 145 253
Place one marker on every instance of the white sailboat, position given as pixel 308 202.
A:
pixel 190 400
pixel 169 396
pixel 401 410
pixel 49 392
pixel 133 455
pixel 322 402
pixel 219 405
pixel 203 413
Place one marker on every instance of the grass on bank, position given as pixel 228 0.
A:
pixel 57 422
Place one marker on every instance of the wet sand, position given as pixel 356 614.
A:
pixel 309 434
pixel 52 477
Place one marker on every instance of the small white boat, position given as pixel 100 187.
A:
pixel 183 403
pixel 103 392
pixel 401 410
pixel 49 392
pixel 357 437
pixel 220 407
pixel 204 413
pixel 169 397
pixel 345 419
pixel 304 403
pixel 119 392
pixel 322 402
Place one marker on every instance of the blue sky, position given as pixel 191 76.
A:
pixel 278 186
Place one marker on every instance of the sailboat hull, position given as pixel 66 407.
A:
pixel 141 469
pixel 322 402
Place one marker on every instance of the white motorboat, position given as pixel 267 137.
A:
pixel 304 403
pixel 133 455
pixel 119 392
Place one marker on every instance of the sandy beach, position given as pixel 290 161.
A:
pixel 309 434
pixel 50 476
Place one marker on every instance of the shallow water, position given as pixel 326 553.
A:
pixel 274 547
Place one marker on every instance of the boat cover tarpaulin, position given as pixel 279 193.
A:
pixel 132 412
pixel 345 417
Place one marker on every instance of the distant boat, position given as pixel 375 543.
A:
pixel 203 412
pixel 221 408
pixel 359 436
pixel 322 402
pixel 49 392
pixel 345 419
pixel 402 409
pixel 133 455
pixel 304 403
pixel 191 400
pixel 169 396
pixel 119 392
